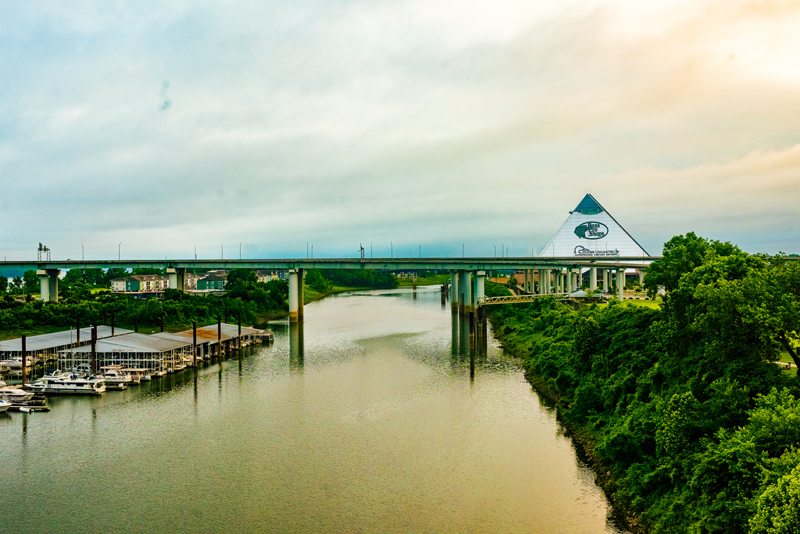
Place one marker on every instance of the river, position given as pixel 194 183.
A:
pixel 366 420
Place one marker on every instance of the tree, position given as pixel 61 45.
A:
pixel 316 281
pixel 778 508
pixel 3 284
pixel 240 278
pixel 31 281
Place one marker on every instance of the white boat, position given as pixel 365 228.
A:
pixel 38 386
pixel 115 378
pixel 82 370
pixel 4 405
pixel 14 395
pixel 135 373
pixel 73 386
pixel 16 363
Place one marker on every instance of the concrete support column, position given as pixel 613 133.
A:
pixel 454 290
pixel 462 290
pixel 641 277
pixel 300 295
pixel 547 281
pixel 605 280
pixel 469 300
pixel 293 303
pixel 44 285
pixel 569 281
pixel 480 281
pixel 48 284
pixel 182 279
pixel 620 283
pixel 593 278
pixel 173 278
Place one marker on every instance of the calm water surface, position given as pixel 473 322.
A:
pixel 365 421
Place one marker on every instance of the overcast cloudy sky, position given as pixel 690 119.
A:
pixel 165 125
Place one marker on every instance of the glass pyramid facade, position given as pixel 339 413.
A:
pixel 591 232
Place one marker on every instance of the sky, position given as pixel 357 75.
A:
pixel 416 127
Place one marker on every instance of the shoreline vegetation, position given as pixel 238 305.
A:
pixel 254 302
pixel 681 410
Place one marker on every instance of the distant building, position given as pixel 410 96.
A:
pixel 591 232
pixel 212 281
pixel 267 276
pixel 140 283
pixel 190 280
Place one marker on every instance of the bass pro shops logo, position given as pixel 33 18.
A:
pixel 591 230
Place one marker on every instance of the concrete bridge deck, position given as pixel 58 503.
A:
pixel 381 264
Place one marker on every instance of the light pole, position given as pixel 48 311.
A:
pixel 391 248
pixel 83 258
pixel 463 254
pixel 119 251
pixel 420 251
pixel 495 250
pixel 312 251
pixel 503 249
pixel 240 251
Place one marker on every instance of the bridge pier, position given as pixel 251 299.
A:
pixel 177 278
pixel 593 278
pixel 641 277
pixel 454 289
pixel 620 283
pixel 48 280
pixel 605 280
pixel 469 300
pixel 295 295
pixel 569 281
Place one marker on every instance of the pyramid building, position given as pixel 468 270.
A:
pixel 591 232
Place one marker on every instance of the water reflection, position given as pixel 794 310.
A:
pixel 296 346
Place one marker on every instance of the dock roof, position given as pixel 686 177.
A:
pixel 134 343
pixel 58 339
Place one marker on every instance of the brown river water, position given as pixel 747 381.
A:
pixel 367 420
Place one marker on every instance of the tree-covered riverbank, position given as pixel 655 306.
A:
pixel 691 426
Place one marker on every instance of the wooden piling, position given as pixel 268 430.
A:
pixel 94 350
pixel 219 337
pixel 24 360
pixel 194 342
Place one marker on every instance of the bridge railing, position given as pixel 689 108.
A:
pixel 513 299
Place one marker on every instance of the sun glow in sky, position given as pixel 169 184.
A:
pixel 397 123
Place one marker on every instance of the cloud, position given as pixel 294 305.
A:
pixel 440 122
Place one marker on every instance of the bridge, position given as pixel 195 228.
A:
pixel 554 276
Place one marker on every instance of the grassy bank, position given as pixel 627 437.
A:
pixel 431 280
